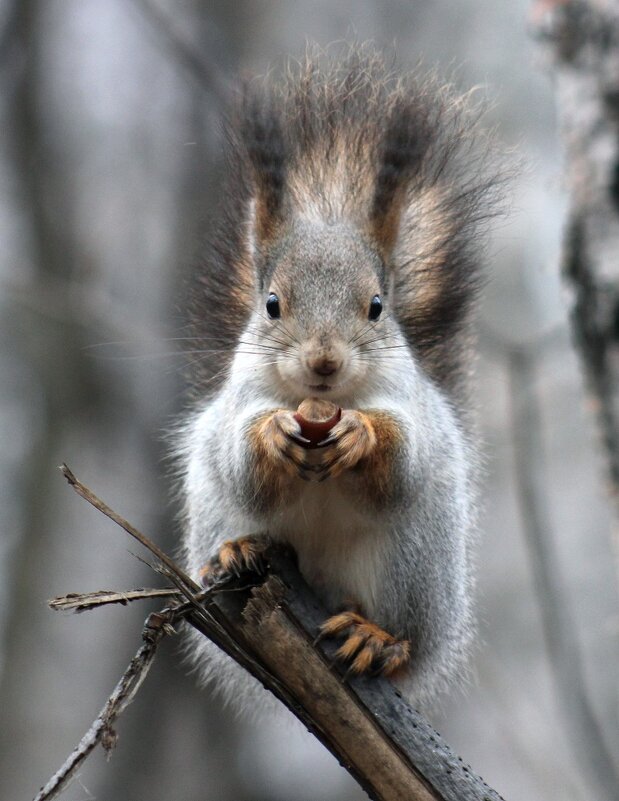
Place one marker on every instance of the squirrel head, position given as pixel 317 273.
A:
pixel 322 319
pixel 347 182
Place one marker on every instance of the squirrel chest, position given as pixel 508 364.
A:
pixel 334 541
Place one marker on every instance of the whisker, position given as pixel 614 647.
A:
pixel 247 353
pixel 168 354
pixel 384 357
pixel 281 325
pixel 384 348
pixel 259 345
pixel 267 335
pixel 364 329
pixel 377 339
pixel 372 325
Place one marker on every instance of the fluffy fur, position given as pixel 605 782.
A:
pixel 345 182
pixel 401 156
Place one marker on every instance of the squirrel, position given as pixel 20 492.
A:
pixel 344 268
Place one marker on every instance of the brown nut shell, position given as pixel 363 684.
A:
pixel 316 418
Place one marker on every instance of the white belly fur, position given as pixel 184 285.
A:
pixel 338 547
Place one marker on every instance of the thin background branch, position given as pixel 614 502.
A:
pixel 102 732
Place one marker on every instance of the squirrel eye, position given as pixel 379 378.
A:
pixel 273 306
pixel 376 308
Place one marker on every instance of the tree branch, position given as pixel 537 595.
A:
pixel 84 601
pixel 102 731
pixel 268 624
pixel 92 499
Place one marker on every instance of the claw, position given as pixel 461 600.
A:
pixel 325 469
pixel 328 441
pixel 349 672
pixel 299 438
pixel 319 637
pixel 234 558
pixel 324 443
pixel 367 649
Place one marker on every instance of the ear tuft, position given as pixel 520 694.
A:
pixel 263 139
pixel 405 145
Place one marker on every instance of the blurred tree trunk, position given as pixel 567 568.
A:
pixel 582 38
pixel 583 731
pixel 51 348
pixel 177 741
pixel 89 411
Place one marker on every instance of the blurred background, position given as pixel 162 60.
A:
pixel 109 158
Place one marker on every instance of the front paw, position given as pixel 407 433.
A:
pixel 278 438
pixel 235 557
pixel 350 441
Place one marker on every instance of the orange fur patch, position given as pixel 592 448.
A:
pixel 385 227
pixel 234 556
pixel 267 226
pixel 276 458
pixel 367 647
pixel 376 469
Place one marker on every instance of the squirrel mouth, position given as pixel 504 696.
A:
pixel 321 387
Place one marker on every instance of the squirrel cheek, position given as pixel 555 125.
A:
pixel 290 370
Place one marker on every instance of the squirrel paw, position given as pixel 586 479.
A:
pixel 280 438
pixel 235 557
pixel 349 441
pixel 368 648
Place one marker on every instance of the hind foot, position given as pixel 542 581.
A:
pixel 367 648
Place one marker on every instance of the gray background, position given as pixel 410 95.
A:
pixel 108 163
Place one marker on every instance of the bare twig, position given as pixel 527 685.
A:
pixel 268 626
pixel 156 627
pixel 82 602
pixel 92 499
pixel 202 614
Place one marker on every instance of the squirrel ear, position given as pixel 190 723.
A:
pixel 264 144
pixel 405 143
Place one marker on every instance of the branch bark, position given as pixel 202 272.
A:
pixel 387 746
pixel 268 624
pixel 84 601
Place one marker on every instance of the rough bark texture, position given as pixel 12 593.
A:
pixel 375 734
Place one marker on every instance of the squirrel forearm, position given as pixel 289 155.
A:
pixel 251 455
pixel 379 478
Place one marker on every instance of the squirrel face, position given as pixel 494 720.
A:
pixel 323 307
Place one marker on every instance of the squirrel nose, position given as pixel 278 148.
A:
pixel 324 366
